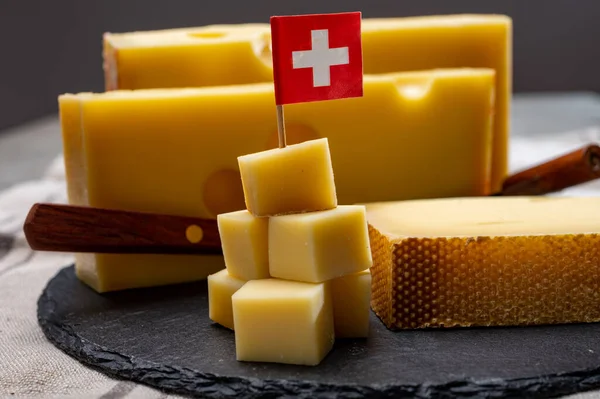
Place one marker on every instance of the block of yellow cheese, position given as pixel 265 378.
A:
pixel 221 287
pixel 244 241
pixel 211 55
pixel 175 151
pixel 297 178
pixel 319 246
pixel 485 261
pixel 351 296
pixel 283 322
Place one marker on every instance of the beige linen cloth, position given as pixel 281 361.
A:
pixel 31 367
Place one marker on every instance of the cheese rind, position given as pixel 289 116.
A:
pixel 244 241
pixel 283 322
pixel 319 246
pixel 211 55
pixel 351 296
pixel 221 287
pixel 486 261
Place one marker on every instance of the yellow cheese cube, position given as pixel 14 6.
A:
pixel 244 240
pixel 175 151
pixel 211 55
pixel 297 178
pixel 221 287
pixel 283 322
pixel 319 246
pixel 351 296
pixel 485 261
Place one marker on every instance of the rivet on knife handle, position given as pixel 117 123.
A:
pixel 67 228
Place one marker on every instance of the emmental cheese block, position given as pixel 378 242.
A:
pixel 211 55
pixel 175 151
pixel 485 261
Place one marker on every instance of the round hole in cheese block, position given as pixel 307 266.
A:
pixel 414 86
pixel 194 234
pixel 262 49
pixel 223 192
pixel 207 35
pixel 295 133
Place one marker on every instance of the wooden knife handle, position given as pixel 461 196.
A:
pixel 67 228
pixel 577 167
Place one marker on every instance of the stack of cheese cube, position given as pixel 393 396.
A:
pixel 297 264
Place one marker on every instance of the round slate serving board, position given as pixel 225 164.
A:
pixel 163 337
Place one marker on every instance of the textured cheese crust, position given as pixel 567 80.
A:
pixel 212 55
pixel 503 276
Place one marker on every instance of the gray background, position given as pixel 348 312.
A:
pixel 50 47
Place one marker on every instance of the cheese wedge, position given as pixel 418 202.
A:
pixel 485 261
pixel 175 151
pixel 212 55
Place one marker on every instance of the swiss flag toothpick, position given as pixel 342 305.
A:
pixel 315 57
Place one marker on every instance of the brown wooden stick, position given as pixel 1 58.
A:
pixel 574 168
pixel 66 228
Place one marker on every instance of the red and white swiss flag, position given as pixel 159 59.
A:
pixel 317 57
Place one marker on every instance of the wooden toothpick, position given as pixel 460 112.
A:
pixel 281 126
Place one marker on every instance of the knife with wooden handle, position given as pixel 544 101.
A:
pixel 68 228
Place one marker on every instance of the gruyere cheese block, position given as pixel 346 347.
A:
pixel 221 287
pixel 485 261
pixel 319 246
pixel 351 296
pixel 244 241
pixel 211 55
pixel 283 322
pixel 175 151
pixel 297 178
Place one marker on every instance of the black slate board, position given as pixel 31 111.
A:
pixel 162 337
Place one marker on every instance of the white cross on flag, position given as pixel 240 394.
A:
pixel 317 57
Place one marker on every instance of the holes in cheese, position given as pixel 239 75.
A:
pixel 207 35
pixel 223 192
pixel 485 261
